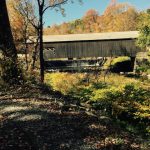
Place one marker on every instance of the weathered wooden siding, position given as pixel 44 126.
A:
pixel 97 48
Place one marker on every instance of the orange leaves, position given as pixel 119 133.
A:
pixel 120 17
pixel 116 17
pixel 91 13
pixel 16 20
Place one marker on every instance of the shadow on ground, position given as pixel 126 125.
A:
pixel 30 124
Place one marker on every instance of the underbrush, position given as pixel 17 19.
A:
pixel 119 64
pixel 122 98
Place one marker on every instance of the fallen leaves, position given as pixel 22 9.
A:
pixel 36 123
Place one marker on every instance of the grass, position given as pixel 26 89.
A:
pixel 64 82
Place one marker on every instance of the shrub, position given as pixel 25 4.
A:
pixel 82 93
pixel 120 97
pixel 10 72
pixel 135 93
pixel 123 99
pixel 99 85
pixel 143 67
pixel 105 99
pixel 143 112
pixel 106 94
pixel 63 82
pixel 120 64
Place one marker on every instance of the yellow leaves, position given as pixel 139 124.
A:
pixel 16 20
pixel 91 14
pixel 63 82
pixel 143 111
pixel 142 115
pixel 142 107
pixel 119 17
pixel 20 24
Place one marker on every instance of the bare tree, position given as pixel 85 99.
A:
pixel 26 10
pixel 42 6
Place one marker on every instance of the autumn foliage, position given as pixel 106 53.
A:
pixel 16 20
pixel 116 17
pixel 20 26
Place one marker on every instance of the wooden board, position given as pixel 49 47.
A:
pixel 84 49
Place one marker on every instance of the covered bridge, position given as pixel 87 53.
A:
pixel 84 50
pixel 110 44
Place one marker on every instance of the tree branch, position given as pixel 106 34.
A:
pixel 55 5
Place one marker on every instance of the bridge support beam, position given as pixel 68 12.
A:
pixel 133 64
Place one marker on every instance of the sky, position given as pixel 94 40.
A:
pixel 76 10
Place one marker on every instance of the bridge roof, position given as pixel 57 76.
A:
pixel 89 36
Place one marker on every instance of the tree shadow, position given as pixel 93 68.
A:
pixel 28 125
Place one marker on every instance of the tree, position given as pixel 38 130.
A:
pixel 144 29
pixel 120 17
pixel 19 12
pixel 116 17
pixel 42 6
pixel 127 21
pixel 90 20
pixel 10 73
pixel 92 14
pixel 30 26
pixel 16 20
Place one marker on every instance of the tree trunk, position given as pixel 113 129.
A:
pixel 6 38
pixel 7 44
pixel 34 55
pixel 41 46
pixel 26 54
pixel 26 45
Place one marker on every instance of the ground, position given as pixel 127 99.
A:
pixel 39 121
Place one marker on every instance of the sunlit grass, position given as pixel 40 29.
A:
pixel 115 79
pixel 64 82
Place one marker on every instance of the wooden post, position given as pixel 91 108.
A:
pixel 133 64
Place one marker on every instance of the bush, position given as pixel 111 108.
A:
pixel 99 85
pixel 135 93
pixel 10 72
pixel 82 93
pixel 120 64
pixel 106 94
pixel 129 102
pixel 63 82
pixel 105 98
pixel 121 97
pixel 143 67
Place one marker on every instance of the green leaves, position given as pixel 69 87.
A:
pixel 144 29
